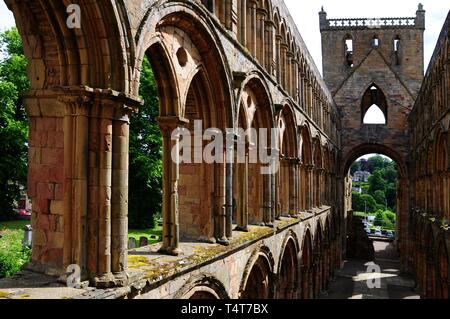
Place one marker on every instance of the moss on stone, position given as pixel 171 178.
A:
pixel 4 294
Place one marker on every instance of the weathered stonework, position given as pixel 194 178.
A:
pixel 229 232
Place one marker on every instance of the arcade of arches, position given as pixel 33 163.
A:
pixel 232 64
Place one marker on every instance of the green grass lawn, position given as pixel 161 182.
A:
pixel 12 254
pixel 14 225
pixel 138 233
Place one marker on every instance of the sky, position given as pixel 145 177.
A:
pixel 305 15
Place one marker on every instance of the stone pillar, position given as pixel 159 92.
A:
pixel 269 46
pixel 277 63
pixel 220 202
pixel 229 185
pixel 293 175
pixel 261 16
pixel 242 213
pixel 171 175
pixel 119 198
pixel 310 187
pixel 253 28
pixel 78 182
pixel 75 163
pixel 267 193
pixel 243 26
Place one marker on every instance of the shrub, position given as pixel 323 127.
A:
pixel 12 254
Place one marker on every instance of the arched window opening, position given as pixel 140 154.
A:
pixel 349 50
pixel 375 41
pixel 374 106
pixel 397 50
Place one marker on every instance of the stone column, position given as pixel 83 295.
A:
pixel 310 186
pixel 243 27
pixel 293 175
pixel 242 214
pixel 277 63
pixel 269 46
pixel 76 129
pixel 261 16
pixel 253 27
pixel 119 198
pixel 171 175
pixel 100 171
pixel 267 193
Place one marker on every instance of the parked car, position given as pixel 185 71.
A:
pixel 23 214
pixel 378 233
pixel 390 234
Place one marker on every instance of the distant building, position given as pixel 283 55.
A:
pixel 361 176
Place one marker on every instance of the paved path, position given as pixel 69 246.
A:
pixel 355 279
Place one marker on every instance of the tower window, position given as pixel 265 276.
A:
pixel 375 41
pixel 349 50
pixel 397 50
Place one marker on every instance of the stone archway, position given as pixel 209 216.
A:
pixel 307 267
pixel 402 232
pixel 257 283
pixel 288 272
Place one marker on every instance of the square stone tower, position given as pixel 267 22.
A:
pixel 348 43
pixel 374 68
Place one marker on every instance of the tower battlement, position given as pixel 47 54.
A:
pixel 417 22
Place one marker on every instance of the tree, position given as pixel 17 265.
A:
pixel 145 179
pixel 376 182
pixel 369 203
pixel 380 197
pixel 356 166
pixel 13 121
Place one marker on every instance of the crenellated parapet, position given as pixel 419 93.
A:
pixel 417 22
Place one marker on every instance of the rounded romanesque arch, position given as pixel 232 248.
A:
pixel 205 286
pixel 256 108
pixel 257 282
pixel 288 174
pixel 195 95
pixel 306 168
pixel 317 260
pixel 288 269
pixel 306 266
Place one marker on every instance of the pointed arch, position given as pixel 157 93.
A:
pixel 374 99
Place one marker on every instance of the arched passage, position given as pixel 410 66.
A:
pixel 307 267
pixel 318 260
pixel 288 272
pixel 255 121
pixel 258 284
pixel 194 96
pixel 288 175
pixel 306 169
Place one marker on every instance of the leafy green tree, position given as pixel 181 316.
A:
pixel 376 182
pixel 391 195
pixel 356 166
pixel 145 180
pixel 369 203
pixel 380 197
pixel 357 202
pixel 13 121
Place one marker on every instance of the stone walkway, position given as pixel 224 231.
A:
pixel 378 279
